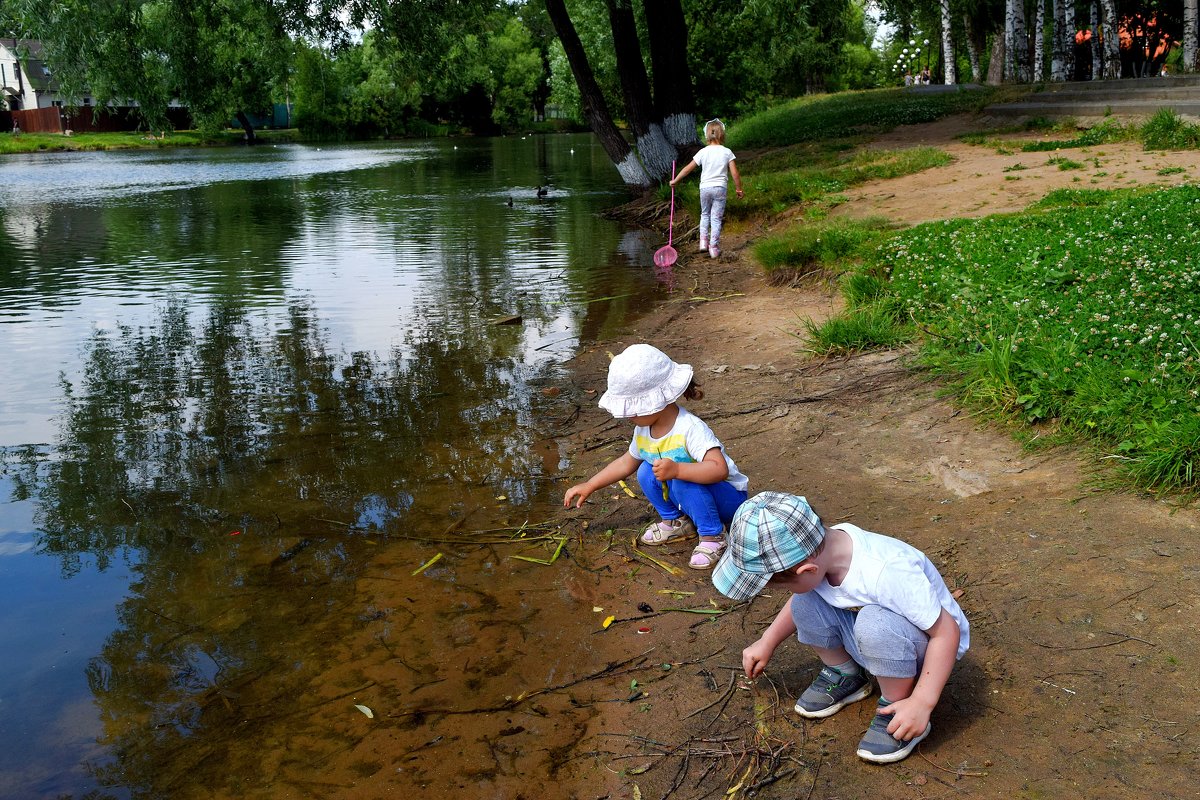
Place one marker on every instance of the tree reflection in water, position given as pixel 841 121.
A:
pixel 247 475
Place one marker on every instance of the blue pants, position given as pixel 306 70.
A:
pixel 709 505
pixel 712 213
pixel 881 641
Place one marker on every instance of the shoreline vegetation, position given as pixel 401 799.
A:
pixel 148 140
pixel 1074 321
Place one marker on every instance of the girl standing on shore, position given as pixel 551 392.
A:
pixel 716 162
pixel 680 464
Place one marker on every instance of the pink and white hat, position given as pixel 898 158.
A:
pixel 643 380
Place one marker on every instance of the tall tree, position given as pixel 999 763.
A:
pixel 674 97
pixel 1039 41
pixel 595 110
pixel 1191 39
pixel 1112 53
pixel 655 151
pixel 949 74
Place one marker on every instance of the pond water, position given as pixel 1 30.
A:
pixel 245 391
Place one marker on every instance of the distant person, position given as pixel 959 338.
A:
pixel 681 465
pixel 908 78
pixel 925 78
pixel 867 604
pixel 16 131
pixel 716 162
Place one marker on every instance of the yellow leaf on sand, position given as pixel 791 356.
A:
pixel 597 609
pixel 370 714
pixel 608 621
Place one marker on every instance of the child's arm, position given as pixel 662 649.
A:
pixel 912 713
pixel 737 178
pixel 712 469
pixel 756 656
pixel 688 167
pixel 624 466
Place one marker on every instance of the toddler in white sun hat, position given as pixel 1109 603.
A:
pixel 681 465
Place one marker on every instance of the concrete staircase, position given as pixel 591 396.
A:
pixel 1131 97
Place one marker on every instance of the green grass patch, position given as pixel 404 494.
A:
pixel 829 174
pixel 862 328
pixel 826 248
pixel 851 113
pixel 49 142
pixel 1166 130
pixel 1064 163
pixel 1084 312
pixel 1107 131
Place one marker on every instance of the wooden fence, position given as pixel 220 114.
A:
pixel 39 120
pixel 86 120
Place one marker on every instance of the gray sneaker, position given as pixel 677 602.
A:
pixel 830 692
pixel 880 747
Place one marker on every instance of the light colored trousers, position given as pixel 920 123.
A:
pixel 712 214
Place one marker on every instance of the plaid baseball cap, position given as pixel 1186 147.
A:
pixel 770 532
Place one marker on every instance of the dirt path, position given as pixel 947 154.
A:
pixel 1083 662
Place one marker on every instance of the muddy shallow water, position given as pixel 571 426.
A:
pixel 249 394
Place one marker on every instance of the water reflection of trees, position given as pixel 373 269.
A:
pixel 176 437
pixel 52 251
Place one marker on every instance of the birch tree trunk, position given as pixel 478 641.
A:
pixel 1112 52
pixel 950 72
pixel 1039 39
pixel 972 49
pixel 655 151
pixel 1021 42
pixel 1070 23
pixel 594 107
pixel 996 64
pixel 1010 40
pixel 1058 60
pixel 1191 37
pixel 1097 60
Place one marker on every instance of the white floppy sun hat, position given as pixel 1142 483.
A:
pixel 643 380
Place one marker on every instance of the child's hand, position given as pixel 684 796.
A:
pixel 755 658
pixel 578 493
pixel 912 717
pixel 665 470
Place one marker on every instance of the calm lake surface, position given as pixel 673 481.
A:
pixel 232 380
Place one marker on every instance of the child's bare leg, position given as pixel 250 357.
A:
pixel 895 688
pixel 832 657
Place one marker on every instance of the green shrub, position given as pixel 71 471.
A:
pixel 1166 130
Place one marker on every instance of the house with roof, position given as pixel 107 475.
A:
pixel 25 79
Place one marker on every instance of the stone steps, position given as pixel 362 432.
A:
pixel 1135 97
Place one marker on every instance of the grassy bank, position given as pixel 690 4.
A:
pixel 50 142
pixel 1078 319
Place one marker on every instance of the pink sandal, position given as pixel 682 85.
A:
pixel 666 531
pixel 707 554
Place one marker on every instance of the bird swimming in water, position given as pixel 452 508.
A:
pixel 542 192
pixel 510 201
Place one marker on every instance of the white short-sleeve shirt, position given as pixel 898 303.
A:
pixel 897 576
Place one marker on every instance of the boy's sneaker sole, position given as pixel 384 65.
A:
pixel 860 694
pixel 895 755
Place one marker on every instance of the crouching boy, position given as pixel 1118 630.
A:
pixel 867 604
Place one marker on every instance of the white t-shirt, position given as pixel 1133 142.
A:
pixel 714 165
pixel 686 443
pixel 890 573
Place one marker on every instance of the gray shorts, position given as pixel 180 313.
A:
pixel 881 641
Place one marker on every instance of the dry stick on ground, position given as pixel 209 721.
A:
pixel 728 689
pixel 1124 638
pixel 611 669
pixel 959 772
